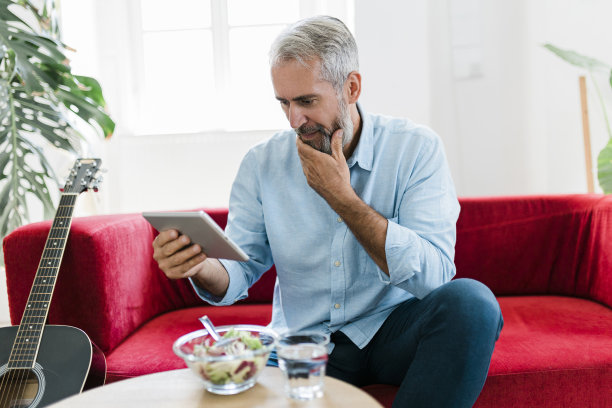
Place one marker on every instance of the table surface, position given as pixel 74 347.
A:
pixel 182 388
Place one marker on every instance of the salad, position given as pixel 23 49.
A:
pixel 231 370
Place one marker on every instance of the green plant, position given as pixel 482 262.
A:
pixel 593 67
pixel 42 104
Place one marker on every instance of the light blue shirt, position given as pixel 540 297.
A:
pixel 325 279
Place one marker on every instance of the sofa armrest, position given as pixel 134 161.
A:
pixel 108 283
pixel 547 244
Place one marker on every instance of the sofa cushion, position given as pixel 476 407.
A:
pixel 555 245
pixel 149 349
pixel 548 344
pixel 553 351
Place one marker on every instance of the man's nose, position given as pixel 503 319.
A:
pixel 296 116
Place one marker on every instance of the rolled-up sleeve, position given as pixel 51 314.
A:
pixel 420 242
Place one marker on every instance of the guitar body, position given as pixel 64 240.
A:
pixel 61 369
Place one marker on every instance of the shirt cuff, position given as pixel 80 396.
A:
pixel 402 255
pixel 236 290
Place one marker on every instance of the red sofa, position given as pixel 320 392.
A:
pixel 547 258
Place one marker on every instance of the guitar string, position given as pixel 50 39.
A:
pixel 63 211
pixel 7 393
pixel 22 352
pixel 30 315
pixel 19 376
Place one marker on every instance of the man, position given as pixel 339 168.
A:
pixel 358 215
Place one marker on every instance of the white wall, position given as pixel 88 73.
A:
pixel 474 70
pixel 515 126
pixel 554 117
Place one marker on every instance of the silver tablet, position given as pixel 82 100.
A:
pixel 201 229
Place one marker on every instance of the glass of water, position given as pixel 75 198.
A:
pixel 302 357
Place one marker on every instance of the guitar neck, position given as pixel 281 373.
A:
pixel 27 340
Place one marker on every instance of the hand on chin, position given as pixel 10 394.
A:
pixel 327 174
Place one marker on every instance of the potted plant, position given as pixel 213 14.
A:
pixel 42 107
pixel 593 67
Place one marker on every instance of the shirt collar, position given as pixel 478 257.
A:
pixel 364 152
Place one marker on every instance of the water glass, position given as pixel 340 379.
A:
pixel 302 357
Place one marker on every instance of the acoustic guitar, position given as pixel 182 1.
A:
pixel 41 364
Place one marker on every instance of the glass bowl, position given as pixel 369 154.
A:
pixel 226 374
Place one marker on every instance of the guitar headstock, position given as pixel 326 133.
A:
pixel 83 176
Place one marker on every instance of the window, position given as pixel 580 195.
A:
pixel 202 65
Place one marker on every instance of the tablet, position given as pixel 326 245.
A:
pixel 201 229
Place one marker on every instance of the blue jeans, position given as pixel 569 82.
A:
pixel 437 349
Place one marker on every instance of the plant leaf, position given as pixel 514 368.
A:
pixel 576 59
pixel 22 157
pixel 90 88
pixel 88 110
pixel 7 15
pixel 50 123
pixel 604 168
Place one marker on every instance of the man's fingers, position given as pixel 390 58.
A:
pixel 175 256
pixel 182 261
pixel 165 236
pixel 336 143
pixel 187 268
pixel 303 148
pixel 167 243
pixel 176 245
pixel 184 255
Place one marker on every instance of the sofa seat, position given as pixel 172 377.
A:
pixel 564 338
pixel 149 350
pixel 546 339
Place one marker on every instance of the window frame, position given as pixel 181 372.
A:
pixel 220 30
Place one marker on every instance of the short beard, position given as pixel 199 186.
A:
pixel 343 121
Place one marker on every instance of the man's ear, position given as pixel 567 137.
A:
pixel 352 86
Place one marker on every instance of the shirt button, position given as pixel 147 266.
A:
pixel 337 263
pixel 337 305
pixel 339 219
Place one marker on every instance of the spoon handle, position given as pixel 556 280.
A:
pixel 210 327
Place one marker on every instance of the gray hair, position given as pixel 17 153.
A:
pixel 323 37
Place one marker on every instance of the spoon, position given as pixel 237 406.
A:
pixel 214 334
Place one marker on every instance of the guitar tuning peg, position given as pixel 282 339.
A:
pixel 95 183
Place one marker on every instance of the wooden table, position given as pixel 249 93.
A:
pixel 181 388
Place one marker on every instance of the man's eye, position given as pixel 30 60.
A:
pixel 306 102
pixel 284 103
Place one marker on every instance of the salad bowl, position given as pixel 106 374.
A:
pixel 235 365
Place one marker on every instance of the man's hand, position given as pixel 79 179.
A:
pixel 328 175
pixel 175 257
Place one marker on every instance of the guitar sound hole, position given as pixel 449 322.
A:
pixel 18 388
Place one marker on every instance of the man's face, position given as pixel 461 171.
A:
pixel 311 104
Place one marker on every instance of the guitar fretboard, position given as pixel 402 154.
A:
pixel 27 340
